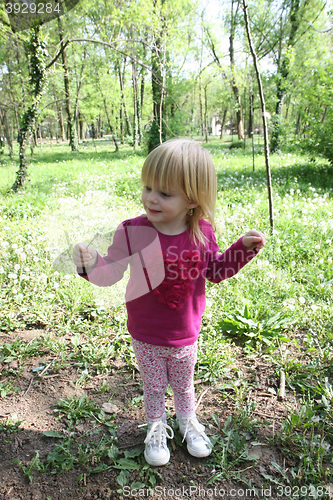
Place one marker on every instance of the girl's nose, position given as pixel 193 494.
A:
pixel 152 196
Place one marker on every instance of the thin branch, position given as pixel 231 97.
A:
pixel 111 45
pixel 48 66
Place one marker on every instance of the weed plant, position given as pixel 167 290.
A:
pixel 279 307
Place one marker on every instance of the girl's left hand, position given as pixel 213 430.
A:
pixel 254 240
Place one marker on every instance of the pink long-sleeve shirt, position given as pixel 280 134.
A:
pixel 165 295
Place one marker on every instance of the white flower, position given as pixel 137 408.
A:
pixel 56 285
pixel 12 276
pixel 1 270
pixel 302 300
pixel 325 445
pixel 17 267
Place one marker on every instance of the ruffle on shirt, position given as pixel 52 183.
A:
pixel 178 283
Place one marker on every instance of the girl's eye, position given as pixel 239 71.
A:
pixel 165 195
pixel 147 188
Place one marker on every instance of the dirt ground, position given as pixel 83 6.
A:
pixel 183 477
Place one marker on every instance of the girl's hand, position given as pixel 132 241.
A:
pixel 84 255
pixel 254 240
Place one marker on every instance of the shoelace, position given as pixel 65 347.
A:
pixel 156 432
pixel 192 428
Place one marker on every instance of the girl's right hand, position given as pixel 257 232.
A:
pixel 84 256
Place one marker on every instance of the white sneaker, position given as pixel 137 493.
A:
pixel 198 444
pixel 156 450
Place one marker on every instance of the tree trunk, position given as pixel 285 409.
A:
pixel 224 116
pixel 234 86
pixel 78 88
pixel 6 131
pixel 264 115
pixel 205 114
pixel 72 136
pixel 60 119
pixel 107 112
pixel 158 130
pixel 250 123
pixel 123 110
pixel 81 126
pixel 136 95
pixel 1 136
pixel 298 124
pixel 202 128
pixel 142 90
pixel 36 51
pixel 136 105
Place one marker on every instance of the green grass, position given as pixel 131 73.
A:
pixel 279 305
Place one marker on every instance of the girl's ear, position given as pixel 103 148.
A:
pixel 192 204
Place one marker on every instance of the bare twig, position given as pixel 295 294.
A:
pixel 45 369
pixel 200 397
pixel 261 414
pixel 282 391
pixel 30 384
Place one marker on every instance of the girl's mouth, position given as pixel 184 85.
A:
pixel 153 212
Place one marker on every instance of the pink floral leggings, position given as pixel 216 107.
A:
pixel 161 365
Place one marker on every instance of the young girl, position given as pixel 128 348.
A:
pixel 171 250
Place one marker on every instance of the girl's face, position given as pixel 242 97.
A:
pixel 166 210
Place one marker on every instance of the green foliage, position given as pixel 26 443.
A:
pixel 256 331
pixel 214 358
pixel 303 437
pixel 12 424
pixel 236 145
pixel 6 388
pixel 28 469
pixel 19 349
pixel 230 453
pixel 320 139
pixel 77 409
pixel 155 136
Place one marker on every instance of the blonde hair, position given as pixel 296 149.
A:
pixel 185 165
